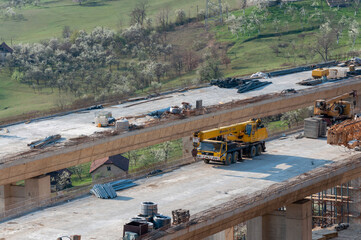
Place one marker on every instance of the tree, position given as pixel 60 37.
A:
pixel 354 31
pixel 78 170
pixel 210 70
pixel 180 16
pixel 66 32
pixel 325 40
pixel 139 13
pixel 243 5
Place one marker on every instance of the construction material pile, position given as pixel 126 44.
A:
pixel 243 85
pixel 44 142
pixel 346 133
pixel 180 216
pixel 146 221
pixel 107 190
pixel 103 191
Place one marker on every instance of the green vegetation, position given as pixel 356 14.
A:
pixel 48 19
pixel 138 160
pixel 261 39
pixel 17 98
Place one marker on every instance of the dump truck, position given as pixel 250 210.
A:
pixel 336 109
pixel 230 143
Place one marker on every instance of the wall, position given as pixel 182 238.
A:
pixel 102 172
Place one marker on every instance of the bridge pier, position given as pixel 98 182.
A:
pixel 295 223
pixel 13 196
pixel 187 146
pixel 227 234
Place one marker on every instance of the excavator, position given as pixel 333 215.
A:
pixel 346 133
pixel 228 144
pixel 336 109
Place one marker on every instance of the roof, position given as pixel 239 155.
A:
pixel 5 48
pixel 117 160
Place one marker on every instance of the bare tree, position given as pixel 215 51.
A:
pixel 325 41
pixel 139 13
pixel 243 5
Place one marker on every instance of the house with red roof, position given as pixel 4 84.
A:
pixel 109 167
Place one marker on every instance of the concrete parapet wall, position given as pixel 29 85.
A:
pixel 241 209
pixel 70 156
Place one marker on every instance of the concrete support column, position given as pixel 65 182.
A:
pixel 227 234
pixel 37 188
pixel 187 146
pixel 355 204
pixel 299 220
pixel 5 197
pixel 270 226
pixel 293 224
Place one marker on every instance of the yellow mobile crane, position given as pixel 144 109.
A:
pixel 228 144
pixel 336 109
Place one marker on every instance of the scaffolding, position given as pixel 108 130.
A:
pixel 331 206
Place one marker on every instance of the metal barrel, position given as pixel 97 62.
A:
pixel 150 226
pixel 161 221
pixel 149 208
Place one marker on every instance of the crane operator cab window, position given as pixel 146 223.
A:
pixel 248 129
pixel 210 146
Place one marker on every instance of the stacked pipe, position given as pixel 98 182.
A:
pixel 122 184
pixel 243 85
pixel 103 191
pixel 108 190
pixel 44 142
pixel 180 216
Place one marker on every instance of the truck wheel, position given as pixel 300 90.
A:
pixel 240 156
pixel 206 161
pixel 253 151
pixel 259 150
pixel 228 159
pixel 235 157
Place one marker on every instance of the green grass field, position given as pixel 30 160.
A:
pixel 17 98
pixel 48 19
pixel 246 57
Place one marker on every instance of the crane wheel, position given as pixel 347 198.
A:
pixel 259 150
pixel 235 157
pixel 206 161
pixel 228 159
pixel 253 151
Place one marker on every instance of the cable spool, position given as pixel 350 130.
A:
pixel 138 219
pixel 146 217
pixel 161 221
pixel 149 208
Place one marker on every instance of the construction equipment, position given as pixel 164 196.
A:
pixel 228 144
pixel 346 133
pixel 335 109
pixel 320 72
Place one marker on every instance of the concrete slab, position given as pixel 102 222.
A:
pixel 196 187
pixel 77 124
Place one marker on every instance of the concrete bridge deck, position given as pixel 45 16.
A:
pixel 25 167
pixel 198 187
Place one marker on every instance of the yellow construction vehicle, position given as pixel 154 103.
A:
pixel 320 72
pixel 336 109
pixel 228 144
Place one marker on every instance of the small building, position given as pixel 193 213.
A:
pixel 109 167
pixel 4 51
pixel 60 180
